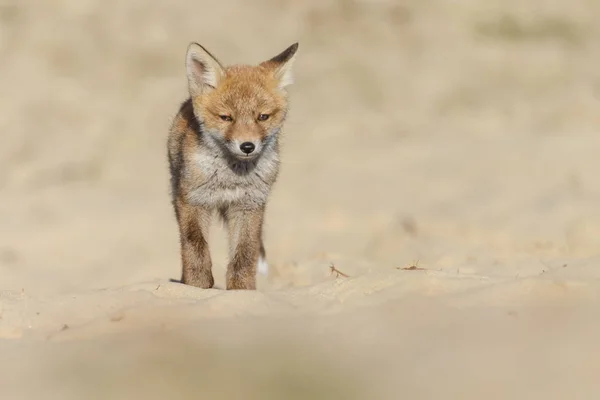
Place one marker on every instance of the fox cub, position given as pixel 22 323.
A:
pixel 223 152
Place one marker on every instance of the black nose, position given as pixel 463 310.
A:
pixel 247 147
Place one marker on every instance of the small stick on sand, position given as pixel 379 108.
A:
pixel 414 267
pixel 336 271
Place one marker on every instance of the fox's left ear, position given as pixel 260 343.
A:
pixel 281 64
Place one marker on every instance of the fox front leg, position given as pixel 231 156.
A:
pixel 194 222
pixel 245 237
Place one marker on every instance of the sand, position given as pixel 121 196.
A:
pixel 441 155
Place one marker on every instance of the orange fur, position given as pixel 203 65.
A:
pixel 210 170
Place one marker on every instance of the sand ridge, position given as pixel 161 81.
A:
pixel 456 137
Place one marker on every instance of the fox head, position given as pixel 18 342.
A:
pixel 241 107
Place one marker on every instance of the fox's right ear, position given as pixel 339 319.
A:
pixel 203 69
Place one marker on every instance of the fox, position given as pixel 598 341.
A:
pixel 223 155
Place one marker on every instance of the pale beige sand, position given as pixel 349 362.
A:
pixel 460 137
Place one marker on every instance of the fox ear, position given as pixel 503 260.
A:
pixel 281 64
pixel 203 69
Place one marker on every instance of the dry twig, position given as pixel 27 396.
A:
pixel 414 267
pixel 336 271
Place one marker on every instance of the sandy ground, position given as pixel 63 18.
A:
pixel 440 154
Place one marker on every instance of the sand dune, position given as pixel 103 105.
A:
pixel 441 155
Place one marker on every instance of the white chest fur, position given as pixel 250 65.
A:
pixel 230 182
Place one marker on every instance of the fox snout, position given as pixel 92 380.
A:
pixel 245 148
pixel 247 141
pixel 243 144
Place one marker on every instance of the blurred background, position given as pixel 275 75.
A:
pixel 418 130
pixel 455 135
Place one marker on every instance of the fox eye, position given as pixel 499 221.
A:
pixel 226 118
pixel 263 117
